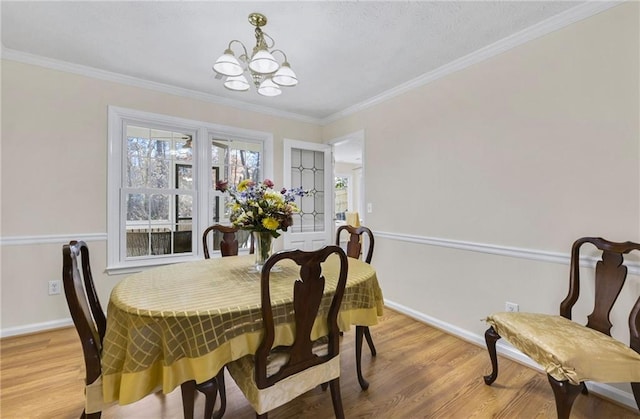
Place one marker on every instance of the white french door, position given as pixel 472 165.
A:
pixel 309 165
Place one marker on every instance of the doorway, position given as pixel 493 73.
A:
pixel 348 176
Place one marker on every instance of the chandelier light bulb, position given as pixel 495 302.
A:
pixel 285 76
pixel 237 83
pixel 269 88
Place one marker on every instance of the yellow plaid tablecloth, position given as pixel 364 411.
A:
pixel 186 321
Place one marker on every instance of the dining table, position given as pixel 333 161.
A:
pixel 172 324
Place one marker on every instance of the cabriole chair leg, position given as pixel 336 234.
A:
pixel 491 337
pixel 367 335
pixel 336 398
pixel 565 394
pixel 364 384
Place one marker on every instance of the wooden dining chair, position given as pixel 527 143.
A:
pixel 569 352
pixel 228 242
pixel 275 376
pixel 354 250
pixel 91 324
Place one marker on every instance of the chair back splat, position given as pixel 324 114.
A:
pixel 354 245
pixel 610 276
pixel 228 243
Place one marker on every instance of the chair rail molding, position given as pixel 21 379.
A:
pixel 51 239
pixel 516 252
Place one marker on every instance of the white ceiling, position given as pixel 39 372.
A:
pixel 344 53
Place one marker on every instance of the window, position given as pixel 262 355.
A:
pixel 162 174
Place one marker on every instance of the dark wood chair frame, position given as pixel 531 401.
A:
pixel 229 242
pixel 610 276
pixel 307 295
pixel 91 325
pixel 354 250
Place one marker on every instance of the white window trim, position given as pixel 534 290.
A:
pixel 117 117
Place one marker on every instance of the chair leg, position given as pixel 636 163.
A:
pixel 188 390
pixel 636 393
pixel 491 337
pixel 584 389
pixel 565 394
pixel 336 399
pixel 359 333
pixel 210 390
pixel 223 395
pixel 367 335
pixel 95 415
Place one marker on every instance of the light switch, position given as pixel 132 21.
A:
pixel 369 207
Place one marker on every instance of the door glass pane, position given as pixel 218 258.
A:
pixel 307 171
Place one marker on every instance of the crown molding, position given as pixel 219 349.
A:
pixel 559 21
pixel 50 63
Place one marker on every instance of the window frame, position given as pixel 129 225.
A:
pixel 118 118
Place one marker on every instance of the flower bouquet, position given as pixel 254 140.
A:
pixel 259 208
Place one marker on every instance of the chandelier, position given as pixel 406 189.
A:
pixel 262 68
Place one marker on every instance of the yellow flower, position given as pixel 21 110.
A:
pixel 270 223
pixel 274 196
pixel 242 186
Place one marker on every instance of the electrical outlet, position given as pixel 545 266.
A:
pixel 369 207
pixel 511 307
pixel 55 287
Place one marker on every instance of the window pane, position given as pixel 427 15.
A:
pixel 161 240
pixel 184 176
pixel 159 207
pixel 182 239
pixel 137 243
pixel 185 207
pixel 137 207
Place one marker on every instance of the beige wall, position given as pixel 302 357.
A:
pixel 530 149
pixel 54 172
pixel 527 150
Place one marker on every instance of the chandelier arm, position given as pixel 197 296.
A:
pixel 245 56
pixel 281 52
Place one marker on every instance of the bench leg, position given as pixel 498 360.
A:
pixel 491 337
pixel 565 394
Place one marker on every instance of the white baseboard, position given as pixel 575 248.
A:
pixel 503 348
pixel 35 327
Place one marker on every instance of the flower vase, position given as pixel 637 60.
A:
pixel 263 243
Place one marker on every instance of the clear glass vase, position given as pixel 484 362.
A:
pixel 263 243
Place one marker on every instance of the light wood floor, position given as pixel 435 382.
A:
pixel 420 372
